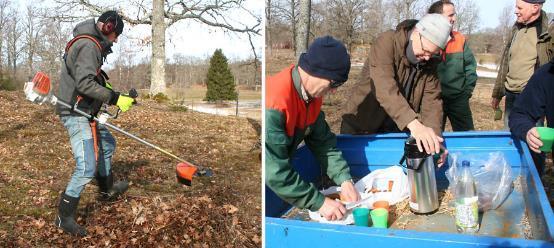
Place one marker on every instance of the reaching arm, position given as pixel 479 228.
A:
pixel 323 143
pixel 279 173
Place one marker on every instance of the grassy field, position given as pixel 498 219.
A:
pixel 197 93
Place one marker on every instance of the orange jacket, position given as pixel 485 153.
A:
pixel 283 96
pixel 289 120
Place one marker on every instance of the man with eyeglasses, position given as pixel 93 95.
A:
pixel 398 89
pixel 293 100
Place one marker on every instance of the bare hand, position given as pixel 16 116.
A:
pixel 533 140
pixel 348 192
pixel 332 210
pixel 425 137
pixel 495 102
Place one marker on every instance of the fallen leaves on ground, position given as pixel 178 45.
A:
pixel 221 211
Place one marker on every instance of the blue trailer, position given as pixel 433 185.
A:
pixel 499 228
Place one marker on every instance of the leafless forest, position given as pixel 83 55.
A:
pixel 34 37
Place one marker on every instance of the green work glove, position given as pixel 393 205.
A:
pixel 109 86
pixel 124 102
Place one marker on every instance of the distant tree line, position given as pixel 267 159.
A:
pixel 182 72
pixel 358 22
pixel 33 38
pixel 28 42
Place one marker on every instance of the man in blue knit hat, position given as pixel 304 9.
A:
pixel 293 100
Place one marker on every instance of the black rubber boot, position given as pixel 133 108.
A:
pixel 108 190
pixel 66 216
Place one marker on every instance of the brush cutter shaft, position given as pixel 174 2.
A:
pixel 143 141
pixel 124 132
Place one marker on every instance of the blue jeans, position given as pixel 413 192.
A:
pixel 82 146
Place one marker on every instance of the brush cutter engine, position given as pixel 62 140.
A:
pixel 37 98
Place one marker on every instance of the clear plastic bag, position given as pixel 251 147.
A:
pixel 492 174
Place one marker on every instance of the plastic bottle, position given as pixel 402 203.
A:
pixel 467 211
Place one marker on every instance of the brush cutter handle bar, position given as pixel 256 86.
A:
pixel 133 94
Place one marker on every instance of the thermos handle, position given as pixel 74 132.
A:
pixel 436 157
pixel 401 162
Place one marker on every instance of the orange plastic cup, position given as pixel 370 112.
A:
pixel 381 204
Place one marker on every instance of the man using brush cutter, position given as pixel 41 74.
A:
pixel 84 85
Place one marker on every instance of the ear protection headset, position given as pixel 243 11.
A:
pixel 109 25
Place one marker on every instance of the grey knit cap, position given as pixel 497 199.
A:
pixel 435 28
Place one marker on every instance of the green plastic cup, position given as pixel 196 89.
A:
pixel 379 216
pixel 497 114
pixel 547 137
pixel 361 216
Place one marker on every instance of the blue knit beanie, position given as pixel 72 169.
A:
pixel 326 58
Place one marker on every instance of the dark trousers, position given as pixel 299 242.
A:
pixel 457 110
pixel 539 159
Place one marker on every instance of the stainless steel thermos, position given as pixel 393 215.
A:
pixel 421 179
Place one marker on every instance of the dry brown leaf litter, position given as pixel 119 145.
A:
pixel 222 211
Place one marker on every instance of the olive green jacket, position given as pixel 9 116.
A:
pixel 545 49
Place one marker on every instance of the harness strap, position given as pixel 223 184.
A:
pixel 94 138
pixel 83 36
pixel 93 130
pixel 76 38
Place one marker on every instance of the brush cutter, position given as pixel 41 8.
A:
pixel 38 91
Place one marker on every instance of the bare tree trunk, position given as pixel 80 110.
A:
pixel 268 25
pixel 293 24
pixel 32 33
pixel 303 29
pixel 14 35
pixel 157 66
pixel 3 6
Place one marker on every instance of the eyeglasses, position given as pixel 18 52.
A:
pixel 427 52
pixel 335 84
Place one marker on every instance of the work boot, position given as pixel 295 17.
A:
pixel 66 216
pixel 108 190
